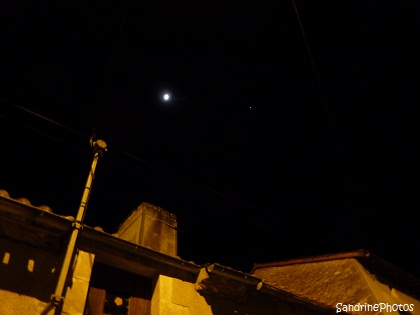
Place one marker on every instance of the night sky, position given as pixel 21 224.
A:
pixel 292 128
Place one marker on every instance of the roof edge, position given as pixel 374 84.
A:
pixel 335 256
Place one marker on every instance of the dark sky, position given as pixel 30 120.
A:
pixel 265 152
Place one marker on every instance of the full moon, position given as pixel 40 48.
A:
pixel 166 97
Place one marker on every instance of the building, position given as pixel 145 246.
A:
pixel 136 271
pixel 353 281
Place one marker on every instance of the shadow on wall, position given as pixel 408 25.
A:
pixel 28 270
pixel 223 306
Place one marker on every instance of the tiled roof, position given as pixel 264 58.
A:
pixel 287 274
pixel 25 201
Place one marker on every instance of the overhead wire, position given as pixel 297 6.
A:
pixel 331 121
pixel 156 167
pixel 51 121
pixel 35 130
pixel 308 48
pixel 316 73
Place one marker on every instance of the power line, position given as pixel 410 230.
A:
pixel 174 176
pixel 316 73
pixel 308 48
pixel 52 121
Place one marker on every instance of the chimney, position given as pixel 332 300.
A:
pixel 152 227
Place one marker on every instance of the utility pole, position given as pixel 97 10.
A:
pixel 98 147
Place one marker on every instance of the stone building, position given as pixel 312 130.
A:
pixel 136 271
pixel 353 281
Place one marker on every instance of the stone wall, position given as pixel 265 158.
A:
pixel 175 297
pixel 28 277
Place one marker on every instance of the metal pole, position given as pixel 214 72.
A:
pixel 58 298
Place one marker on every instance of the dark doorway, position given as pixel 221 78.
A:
pixel 113 291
